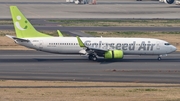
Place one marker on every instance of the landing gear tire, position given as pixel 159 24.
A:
pixel 159 58
pixel 92 57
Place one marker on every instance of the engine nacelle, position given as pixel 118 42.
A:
pixel 169 1
pixel 114 54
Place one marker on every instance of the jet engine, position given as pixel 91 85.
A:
pixel 169 1
pixel 114 54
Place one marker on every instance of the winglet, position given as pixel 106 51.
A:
pixel 59 33
pixel 81 44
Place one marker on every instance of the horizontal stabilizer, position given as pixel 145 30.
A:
pixel 18 39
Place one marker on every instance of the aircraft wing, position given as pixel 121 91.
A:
pixel 97 49
pixel 17 39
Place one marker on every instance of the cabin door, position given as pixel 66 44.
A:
pixel 40 44
pixel 158 45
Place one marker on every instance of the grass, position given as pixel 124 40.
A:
pixel 112 22
pixel 6 22
pixel 87 91
pixel 144 90
pixel 130 33
pixel 54 33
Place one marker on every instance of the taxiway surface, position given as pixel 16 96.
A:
pixel 34 65
pixel 109 9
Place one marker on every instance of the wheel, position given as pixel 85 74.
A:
pixel 90 57
pixel 94 58
pixel 159 58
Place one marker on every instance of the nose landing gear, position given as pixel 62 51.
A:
pixel 159 56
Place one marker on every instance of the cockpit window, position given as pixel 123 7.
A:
pixel 167 44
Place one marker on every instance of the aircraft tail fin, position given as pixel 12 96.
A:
pixel 23 27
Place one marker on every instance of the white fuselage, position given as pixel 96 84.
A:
pixel 69 45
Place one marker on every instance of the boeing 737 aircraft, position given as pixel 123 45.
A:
pixel 93 47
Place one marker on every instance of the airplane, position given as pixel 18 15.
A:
pixel 93 47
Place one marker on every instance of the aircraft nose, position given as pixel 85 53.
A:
pixel 174 48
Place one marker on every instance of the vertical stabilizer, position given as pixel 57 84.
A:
pixel 22 26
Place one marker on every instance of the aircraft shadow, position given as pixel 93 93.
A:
pixel 102 61
pixel 174 6
pixel 138 60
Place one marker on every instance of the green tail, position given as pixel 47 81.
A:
pixel 22 26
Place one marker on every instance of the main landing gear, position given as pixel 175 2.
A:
pixel 92 57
